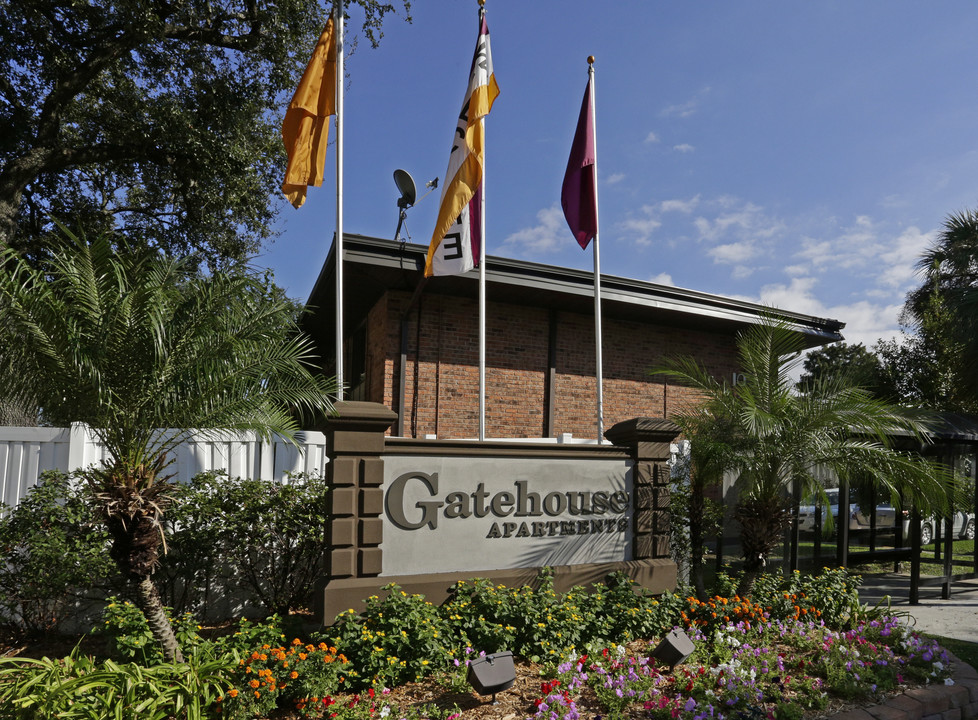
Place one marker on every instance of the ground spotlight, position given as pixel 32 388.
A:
pixel 493 673
pixel 674 648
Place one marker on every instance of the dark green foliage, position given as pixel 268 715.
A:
pixel 854 362
pixel 159 121
pixel 129 341
pixel 940 351
pixel 53 552
pixel 398 638
pixel 261 541
pixel 128 637
pixel 772 438
pixel 416 638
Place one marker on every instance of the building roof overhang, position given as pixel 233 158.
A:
pixel 373 266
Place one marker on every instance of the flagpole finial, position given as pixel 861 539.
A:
pixel 590 59
pixel 482 3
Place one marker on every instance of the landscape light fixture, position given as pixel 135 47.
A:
pixel 409 195
pixel 493 673
pixel 673 649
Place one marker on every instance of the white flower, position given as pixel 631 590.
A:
pixel 948 681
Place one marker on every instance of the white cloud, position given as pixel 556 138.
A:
pixel 651 138
pixel 545 236
pixel 866 322
pixel 742 272
pixel 683 148
pixel 901 258
pixel 688 108
pixel 615 178
pixel 732 253
pixel 662 279
pixel 748 221
pixel 639 225
pixel 870 254
pixel 683 206
pixel 641 228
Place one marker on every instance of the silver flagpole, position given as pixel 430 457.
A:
pixel 482 298
pixel 338 245
pixel 597 262
pixel 482 272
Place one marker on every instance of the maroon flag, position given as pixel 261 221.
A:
pixel 578 194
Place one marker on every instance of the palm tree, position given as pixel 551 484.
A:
pixel 130 342
pixel 771 437
pixel 943 312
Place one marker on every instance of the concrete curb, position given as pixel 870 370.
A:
pixel 934 702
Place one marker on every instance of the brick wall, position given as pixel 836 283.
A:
pixel 442 367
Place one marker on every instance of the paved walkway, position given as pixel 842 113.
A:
pixel 955 618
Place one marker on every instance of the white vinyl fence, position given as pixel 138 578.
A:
pixel 27 452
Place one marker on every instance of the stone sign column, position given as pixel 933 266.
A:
pixel 355 475
pixel 649 439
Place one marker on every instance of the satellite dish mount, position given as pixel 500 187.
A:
pixel 409 195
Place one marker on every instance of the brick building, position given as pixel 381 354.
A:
pixel 417 351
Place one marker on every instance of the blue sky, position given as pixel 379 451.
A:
pixel 801 155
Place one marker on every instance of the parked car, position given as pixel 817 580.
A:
pixel 963 524
pixel 962 527
pixel 806 512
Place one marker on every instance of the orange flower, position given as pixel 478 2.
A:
pixel 254 683
pixel 232 693
pixel 293 674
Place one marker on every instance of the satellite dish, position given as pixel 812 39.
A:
pixel 407 188
pixel 409 195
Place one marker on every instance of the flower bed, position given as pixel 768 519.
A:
pixel 795 647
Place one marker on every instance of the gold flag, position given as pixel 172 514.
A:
pixel 305 129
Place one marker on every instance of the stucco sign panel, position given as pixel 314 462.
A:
pixel 459 514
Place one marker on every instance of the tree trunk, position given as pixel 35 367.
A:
pixel 148 601
pixel 135 548
pixel 762 525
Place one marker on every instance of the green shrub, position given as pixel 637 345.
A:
pixel 397 639
pixel 303 677
pixel 831 596
pixel 55 553
pixel 534 623
pixel 129 638
pixel 227 535
pixel 542 623
pixel 79 688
